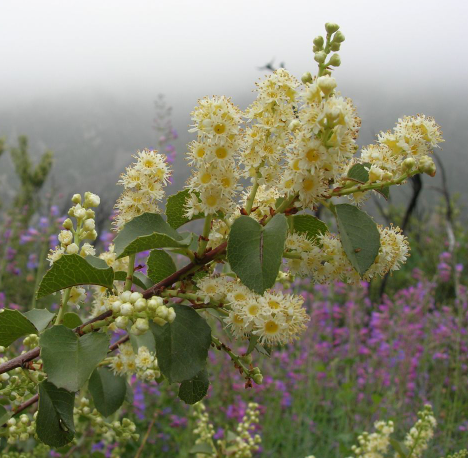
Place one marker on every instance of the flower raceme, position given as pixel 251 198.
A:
pixel 296 145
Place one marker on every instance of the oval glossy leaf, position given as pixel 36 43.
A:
pixel 360 172
pixel 14 325
pixel 69 360
pixel 108 390
pixel 160 266
pixel 175 209
pixel 309 225
pixel 182 346
pixel 54 422
pixel 146 232
pixel 194 390
pixel 255 251
pixel 359 236
pixel 73 270
pixel 40 318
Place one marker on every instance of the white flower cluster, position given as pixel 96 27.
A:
pixel 404 149
pixel 70 238
pixel 20 429
pixel 274 317
pixel 422 432
pixel 326 261
pixel 247 442
pixel 132 309
pixel 214 181
pixel 144 364
pixel 376 444
pixel 143 182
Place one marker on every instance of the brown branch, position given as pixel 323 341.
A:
pixel 115 345
pixel 19 361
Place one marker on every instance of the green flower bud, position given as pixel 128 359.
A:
pixel 320 57
pixel 335 46
pixel 335 60
pixel 339 37
pixel 318 41
pixel 255 370
pixel 76 199
pixel 247 359
pixel 68 224
pixel 258 379
pixel 331 27
pixel 408 164
pixel 306 78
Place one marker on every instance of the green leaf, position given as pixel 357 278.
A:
pixel 204 449
pixel 14 325
pixel 253 339
pixel 359 236
pixel 73 270
pixel 146 232
pixel 137 280
pixel 194 390
pixel 54 422
pixel 160 265
pixel 108 390
pixel 360 172
pixel 175 209
pixel 255 251
pixel 145 340
pixel 71 320
pixel 68 359
pixel 400 448
pixel 309 225
pixel 40 318
pixel 182 346
pixel 4 415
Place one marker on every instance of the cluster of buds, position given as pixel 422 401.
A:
pixel 121 431
pixel 19 387
pixel 31 341
pixel 20 429
pixel 132 309
pixel 71 237
pixel 376 443
pixel 39 451
pixel 247 442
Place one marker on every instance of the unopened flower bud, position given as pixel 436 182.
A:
pixel 258 379
pixel 339 37
pixel 426 165
pixel 171 315
pixel 91 200
pixel 126 309
pixel 247 359
pixel 90 213
pixel 318 41
pixel 162 312
pixel 72 248
pixel 142 324
pixel 335 60
pixel 80 213
pixel 115 307
pixel 387 176
pixel 159 321
pixel 135 296
pixel 76 199
pixel 140 305
pixel 125 296
pixel 306 77
pixel 408 164
pixel 154 303
pixel 320 57
pixel 68 224
pixel 121 322
pixel 326 84
pixel 335 46
pixel 89 225
pixel 331 27
pixel 65 237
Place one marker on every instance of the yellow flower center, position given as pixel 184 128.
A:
pixel 148 163
pixel 237 319
pixel 295 165
pixel 226 182
pixel 274 305
pixel 271 327
pixel 253 310
pixel 220 128
pixel 211 201
pixel 200 152
pixel 312 155
pixel 308 184
pixel 221 152
pixel 288 184
pixel 240 297
pixel 205 178
pixel 211 289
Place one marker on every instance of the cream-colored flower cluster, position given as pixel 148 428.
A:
pixel 422 432
pixel 70 238
pixel 404 149
pixel 274 317
pixel 131 309
pixel 20 429
pixel 325 260
pixel 376 444
pixel 144 183
pixel 246 441
pixel 144 363
pixel 213 184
